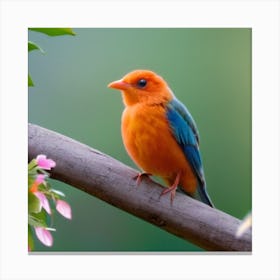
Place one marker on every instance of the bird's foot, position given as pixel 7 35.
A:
pixel 172 189
pixel 139 177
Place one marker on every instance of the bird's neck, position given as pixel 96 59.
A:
pixel 130 99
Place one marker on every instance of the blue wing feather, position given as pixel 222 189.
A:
pixel 179 108
pixel 185 132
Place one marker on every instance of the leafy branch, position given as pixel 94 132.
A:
pixel 40 193
pixel 50 32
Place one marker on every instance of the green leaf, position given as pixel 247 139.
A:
pixel 31 179
pixel 42 171
pixel 38 220
pixel 34 205
pixel 30 82
pixel 57 193
pixel 32 164
pixel 32 46
pixel 30 239
pixel 54 31
pixel 32 174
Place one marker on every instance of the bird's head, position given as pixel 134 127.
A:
pixel 143 86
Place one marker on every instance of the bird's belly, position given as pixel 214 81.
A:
pixel 149 141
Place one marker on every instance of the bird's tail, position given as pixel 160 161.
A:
pixel 204 196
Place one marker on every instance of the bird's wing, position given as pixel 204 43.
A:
pixel 186 134
pixel 180 108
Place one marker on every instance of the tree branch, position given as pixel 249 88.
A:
pixel 110 180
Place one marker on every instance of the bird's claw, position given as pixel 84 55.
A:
pixel 139 177
pixel 172 191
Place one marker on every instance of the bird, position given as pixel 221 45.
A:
pixel 160 135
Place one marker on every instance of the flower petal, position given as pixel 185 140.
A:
pixel 44 201
pixel 45 163
pixel 40 178
pixel 64 209
pixel 34 187
pixel 44 236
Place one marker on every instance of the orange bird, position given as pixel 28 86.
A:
pixel 160 134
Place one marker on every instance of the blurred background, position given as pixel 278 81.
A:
pixel 208 69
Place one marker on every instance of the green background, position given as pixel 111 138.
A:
pixel 208 69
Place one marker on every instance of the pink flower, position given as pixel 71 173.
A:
pixel 44 236
pixel 45 163
pixel 44 201
pixel 64 209
pixel 39 180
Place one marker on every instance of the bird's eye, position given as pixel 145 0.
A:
pixel 141 83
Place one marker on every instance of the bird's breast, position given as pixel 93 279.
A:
pixel 149 141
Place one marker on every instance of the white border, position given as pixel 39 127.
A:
pixel 262 16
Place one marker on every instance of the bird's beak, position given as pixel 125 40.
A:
pixel 120 84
